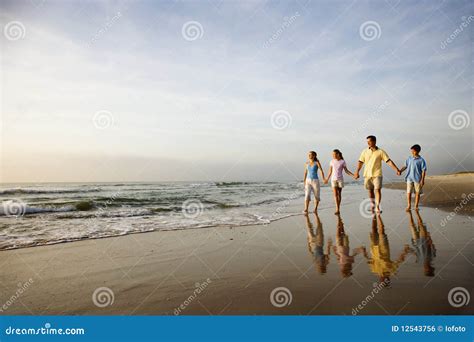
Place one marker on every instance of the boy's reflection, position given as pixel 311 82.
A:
pixel 423 246
pixel 316 244
pixel 342 250
pixel 380 263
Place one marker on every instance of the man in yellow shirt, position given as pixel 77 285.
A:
pixel 372 157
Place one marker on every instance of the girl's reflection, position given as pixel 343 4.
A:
pixel 316 244
pixel 342 250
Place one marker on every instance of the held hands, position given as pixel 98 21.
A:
pixel 399 173
pixel 356 175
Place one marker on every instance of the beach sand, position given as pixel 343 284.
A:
pixel 446 192
pixel 227 271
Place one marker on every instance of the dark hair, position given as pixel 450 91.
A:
pixel 372 138
pixel 315 155
pixel 416 147
pixel 336 151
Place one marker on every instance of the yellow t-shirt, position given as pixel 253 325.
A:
pixel 373 161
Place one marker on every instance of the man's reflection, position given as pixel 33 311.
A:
pixel 342 250
pixel 422 244
pixel 380 262
pixel 316 244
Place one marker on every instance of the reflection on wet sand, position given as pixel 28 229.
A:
pixel 380 262
pixel 422 244
pixel 342 250
pixel 316 244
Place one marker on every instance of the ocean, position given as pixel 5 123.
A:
pixel 47 213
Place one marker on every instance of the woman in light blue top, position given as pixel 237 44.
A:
pixel 311 181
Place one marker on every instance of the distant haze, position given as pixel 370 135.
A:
pixel 162 91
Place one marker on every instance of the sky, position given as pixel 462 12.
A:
pixel 230 90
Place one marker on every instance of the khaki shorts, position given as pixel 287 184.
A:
pixel 337 183
pixel 373 183
pixel 312 186
pixel 413 186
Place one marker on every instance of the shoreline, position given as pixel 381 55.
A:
pixel 446 192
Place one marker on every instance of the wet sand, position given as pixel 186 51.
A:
pixel 447 192
pixel 327 265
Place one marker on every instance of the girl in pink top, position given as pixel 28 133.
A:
pixel 336 167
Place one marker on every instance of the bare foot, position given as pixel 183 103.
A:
pixel 337 212
pixel 378 211
pixel 315 210
pixel 407 209
pixel 416 208
pixel 305 212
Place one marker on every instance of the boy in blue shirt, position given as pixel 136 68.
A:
pixel 416 174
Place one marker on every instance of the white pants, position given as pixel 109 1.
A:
pixel 311 185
